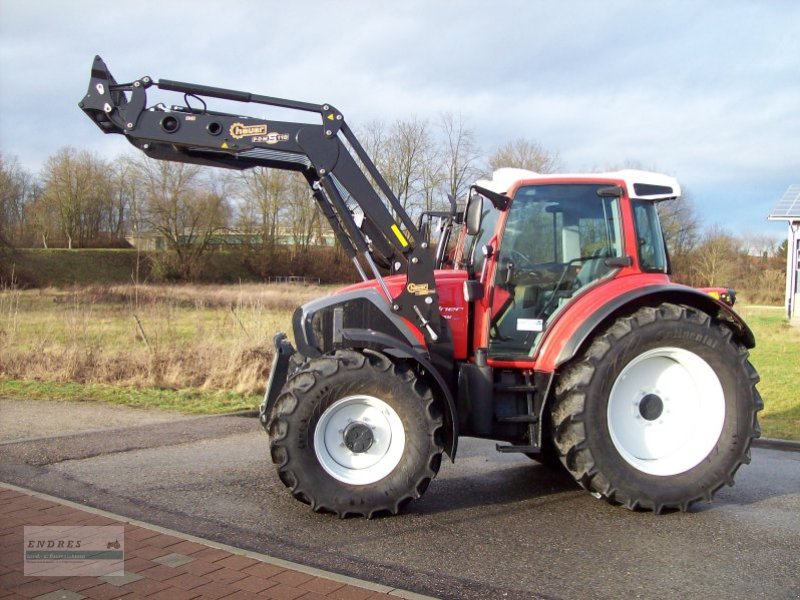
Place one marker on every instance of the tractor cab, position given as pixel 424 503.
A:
pixel 549 239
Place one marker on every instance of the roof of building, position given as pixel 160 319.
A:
pixel 788 207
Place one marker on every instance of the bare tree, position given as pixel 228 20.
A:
pixel 459 154
pixel 76 189
pixel 432 179
pixel 410 143
pixel 182 208
pixel 42 220
pixel 681 226
pixel 714 260
pixel 263 204
pixel 373 137
pixel 16 192
pixel 761 244
pixel 525 154
pixel 123 209
pixel 405 155
pixel 302 215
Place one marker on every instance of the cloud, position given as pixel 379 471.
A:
pixel 704 91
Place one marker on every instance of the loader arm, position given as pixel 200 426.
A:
pixel 328 155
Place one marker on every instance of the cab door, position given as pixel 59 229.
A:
pixel 557 241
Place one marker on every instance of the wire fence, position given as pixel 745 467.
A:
pixel 295 279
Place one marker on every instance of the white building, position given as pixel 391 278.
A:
pixel 788 209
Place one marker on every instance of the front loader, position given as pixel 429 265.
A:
pixel 554 329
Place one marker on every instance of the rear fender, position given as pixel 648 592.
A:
pixel 557 351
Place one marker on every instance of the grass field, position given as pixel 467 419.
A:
pixel 776 357
pixel 187 342
pixel 206 349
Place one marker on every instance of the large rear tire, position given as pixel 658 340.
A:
pixel 355 434
pixel 659 411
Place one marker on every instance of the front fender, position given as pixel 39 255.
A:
pixel 360 339
pixel 360 318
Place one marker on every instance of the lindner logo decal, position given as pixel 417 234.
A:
pixel 240 130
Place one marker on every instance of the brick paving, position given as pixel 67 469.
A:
pixel 156 565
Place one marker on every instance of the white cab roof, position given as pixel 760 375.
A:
pixel 639 184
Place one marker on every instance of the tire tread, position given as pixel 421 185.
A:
pixel 572 394
pixel 312 375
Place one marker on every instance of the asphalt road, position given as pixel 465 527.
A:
pixel 490 526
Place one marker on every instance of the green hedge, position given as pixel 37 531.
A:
pixel 59 267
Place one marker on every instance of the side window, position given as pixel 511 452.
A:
pixel 652 256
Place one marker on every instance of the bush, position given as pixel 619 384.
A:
pixel 63 268
pixel 328 265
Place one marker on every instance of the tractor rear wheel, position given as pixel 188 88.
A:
pixel 659 411
pixel 355 434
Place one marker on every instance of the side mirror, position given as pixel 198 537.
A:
pixel 474 213
pixel 618 262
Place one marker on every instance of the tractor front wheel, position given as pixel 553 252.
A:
pixel 659 411
pixel 355 434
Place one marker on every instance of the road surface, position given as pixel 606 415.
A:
pixel 490 526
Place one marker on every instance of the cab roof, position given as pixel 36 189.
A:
pixel 644 185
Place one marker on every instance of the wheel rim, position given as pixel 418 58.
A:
pixel 359 440
pixel 666 411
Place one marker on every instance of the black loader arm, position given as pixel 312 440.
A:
pixel 328 155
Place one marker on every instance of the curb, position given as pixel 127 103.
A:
pixel 266 558
pixel 239 413
pixel 773 444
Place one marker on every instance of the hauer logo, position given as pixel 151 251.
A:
pixel 240 130
pixel 418 289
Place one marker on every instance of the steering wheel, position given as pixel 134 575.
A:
pixel 520 260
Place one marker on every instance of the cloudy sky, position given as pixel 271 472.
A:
pixel 706 91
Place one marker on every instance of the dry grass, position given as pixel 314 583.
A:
pixel 219 339
pixel 174 337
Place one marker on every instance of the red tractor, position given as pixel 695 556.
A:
pixel 554 327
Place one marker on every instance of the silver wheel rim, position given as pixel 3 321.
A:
pixel 359 466
pixel 666 411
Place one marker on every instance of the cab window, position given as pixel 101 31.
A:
pixel 652 255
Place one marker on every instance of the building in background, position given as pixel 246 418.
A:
pixel 788 209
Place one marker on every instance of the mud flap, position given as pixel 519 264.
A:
pixel 277 375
